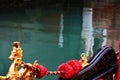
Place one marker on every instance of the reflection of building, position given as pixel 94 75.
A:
pixel 61 39
pixel 107 17
pixel 87 31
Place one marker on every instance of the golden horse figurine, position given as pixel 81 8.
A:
pixel 16 57
pixel 24 73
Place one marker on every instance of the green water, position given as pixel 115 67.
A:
pixel 51 36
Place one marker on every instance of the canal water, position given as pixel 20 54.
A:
pixel 55 35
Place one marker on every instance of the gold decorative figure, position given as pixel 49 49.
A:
pixel 16 57
pixel 83 60
pixel 27 71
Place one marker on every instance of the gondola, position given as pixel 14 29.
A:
pixel 102 66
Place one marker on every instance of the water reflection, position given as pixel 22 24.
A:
pixel 87 31
pixel 106 17
pixel 55 36
pixel 104 37
pixel 61 39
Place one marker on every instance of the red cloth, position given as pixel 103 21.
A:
pixel 119 45
pixel 117 77
pixel 41 71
